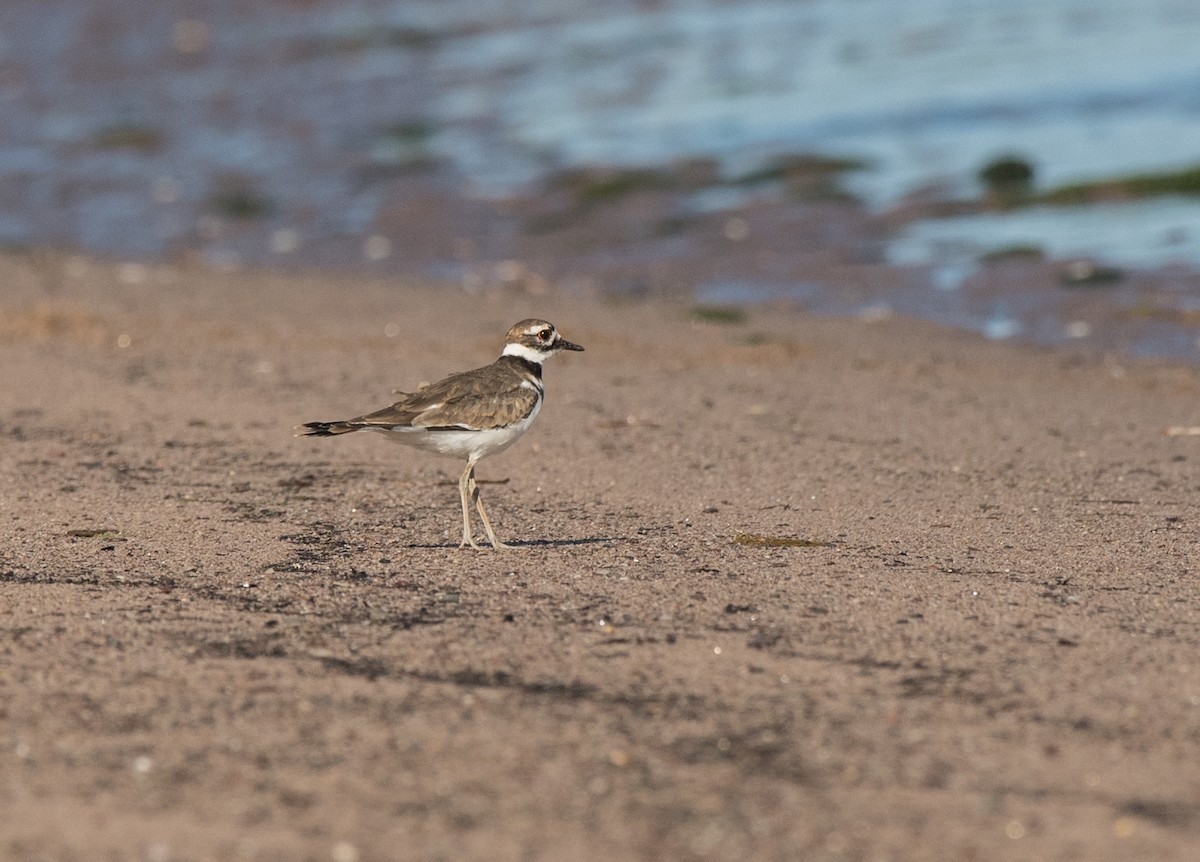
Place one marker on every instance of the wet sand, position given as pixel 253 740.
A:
pixel 789 588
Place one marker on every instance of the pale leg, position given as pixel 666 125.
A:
pixel 466 483
pixel 487 525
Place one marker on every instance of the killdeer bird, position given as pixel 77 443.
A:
pixel 470 414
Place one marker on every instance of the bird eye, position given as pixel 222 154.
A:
pixel 544 335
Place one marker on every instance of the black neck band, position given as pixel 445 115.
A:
pixel 534 368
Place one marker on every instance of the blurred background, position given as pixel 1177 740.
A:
pixel 1027 169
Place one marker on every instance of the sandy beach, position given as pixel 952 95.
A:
pixel 786 588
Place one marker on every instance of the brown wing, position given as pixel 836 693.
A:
pixel 479 411
pixel 470 399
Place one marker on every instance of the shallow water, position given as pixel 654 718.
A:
pixel 1136 234
pixel 926 91
pixel 151 130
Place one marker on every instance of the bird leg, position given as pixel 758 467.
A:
pixel 487 525
pixel 466 487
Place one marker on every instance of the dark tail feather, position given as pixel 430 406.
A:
pixel 325 429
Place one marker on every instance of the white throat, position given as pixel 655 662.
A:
pixel 534 356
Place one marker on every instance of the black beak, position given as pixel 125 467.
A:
pixel 563 344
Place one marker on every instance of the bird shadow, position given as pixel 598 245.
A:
pixel 531 543
pixel 566 543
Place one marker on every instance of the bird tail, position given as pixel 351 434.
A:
pixel 325 429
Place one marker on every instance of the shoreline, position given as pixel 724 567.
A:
pixel 881 295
